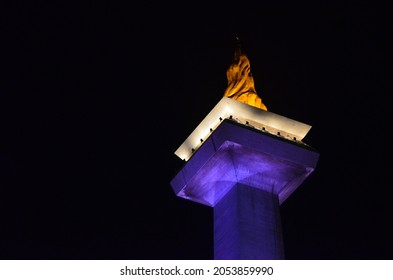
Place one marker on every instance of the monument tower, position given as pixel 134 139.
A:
pixel 244 161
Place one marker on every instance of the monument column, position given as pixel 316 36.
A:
pixel 244 161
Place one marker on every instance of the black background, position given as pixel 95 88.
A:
pixel 96 97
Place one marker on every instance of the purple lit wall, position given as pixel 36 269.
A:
pixel 245 174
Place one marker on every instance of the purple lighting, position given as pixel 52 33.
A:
pixel 245 174
pixel 232 164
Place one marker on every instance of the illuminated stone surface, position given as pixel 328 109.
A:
pixel 241 82
pixel 234 154
pixel 245 174
pixel 266 121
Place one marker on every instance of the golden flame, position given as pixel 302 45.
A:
pixel 241 83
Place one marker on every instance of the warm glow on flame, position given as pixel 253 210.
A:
pixel 241 83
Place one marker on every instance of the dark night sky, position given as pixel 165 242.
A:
pixel 95 98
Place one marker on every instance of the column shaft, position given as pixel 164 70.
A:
pixel 247 225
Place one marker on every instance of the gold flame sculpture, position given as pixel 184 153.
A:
pixel 241 83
